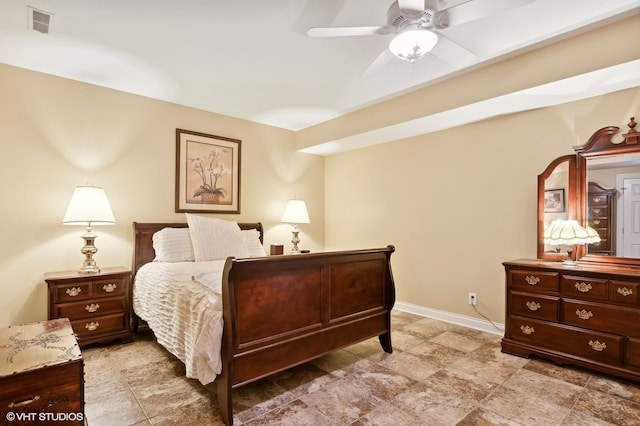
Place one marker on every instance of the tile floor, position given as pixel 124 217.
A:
pixel 438 374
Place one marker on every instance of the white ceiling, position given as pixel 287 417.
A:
pixel 252 59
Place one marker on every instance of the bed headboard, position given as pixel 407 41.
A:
pixel 143 239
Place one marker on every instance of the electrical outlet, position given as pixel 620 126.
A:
pixel 473 299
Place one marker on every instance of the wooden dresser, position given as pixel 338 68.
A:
pixel 41 374
pixel 586 315
pixel 98 305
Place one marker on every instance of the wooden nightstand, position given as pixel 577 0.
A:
pixel 41 374
pixel 98 305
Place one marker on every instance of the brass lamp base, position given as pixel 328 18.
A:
pixel 89 265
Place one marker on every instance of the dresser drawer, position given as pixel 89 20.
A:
pixel 624 292
pixel 73 292
pixel 592 288
pixel 578 342
pixel 597 316
pixel 96 326
pixel 534 280
pixel 632 353
pixel 535 305
pixel 89 308
pixel 110 287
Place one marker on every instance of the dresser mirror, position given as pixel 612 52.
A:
pixel 604 194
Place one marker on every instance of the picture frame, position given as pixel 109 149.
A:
pixel 207 173
pixel 554 200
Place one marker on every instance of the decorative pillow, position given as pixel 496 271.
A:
pixel 173 245
pixel 252 243
pixel 215 239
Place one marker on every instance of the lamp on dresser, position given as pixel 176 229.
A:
pixel 295 213
pixel 569 233
pixel 89 206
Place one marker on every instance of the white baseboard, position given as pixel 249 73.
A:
pixel 465 321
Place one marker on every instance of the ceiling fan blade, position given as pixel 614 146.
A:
pixel 411 5
pixel 379 63
pixel 452 53
pixel 476 9
pixel 315 12
pixel 448 4
pixel 344 31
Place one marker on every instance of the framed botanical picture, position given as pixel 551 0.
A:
pixel 554 200
pixel 207 173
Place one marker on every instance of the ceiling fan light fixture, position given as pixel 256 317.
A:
pixel 412 45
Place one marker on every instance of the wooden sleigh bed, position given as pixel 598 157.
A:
pixel 282 311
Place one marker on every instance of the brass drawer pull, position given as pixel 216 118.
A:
pixel 597 199
pixel 596 211
pixel 584 287
pixel 109 288
pixel 596 221
pixel 91 326
pixel 597 346
pixel 73 291
pixel 527 329
pixel 625 291
pixel 584 314
pixel 23 403
pixel 533 306
pixel 92 307
pixel 532 279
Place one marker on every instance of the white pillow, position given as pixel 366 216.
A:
pixel 173 245
pixel 252 242
pixel 215 239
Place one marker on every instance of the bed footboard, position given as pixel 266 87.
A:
pixel 282 311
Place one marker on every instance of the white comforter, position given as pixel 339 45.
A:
pixel 182 304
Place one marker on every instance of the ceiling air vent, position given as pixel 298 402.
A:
pixel 39 20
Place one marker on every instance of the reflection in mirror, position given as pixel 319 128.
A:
pixel 612 204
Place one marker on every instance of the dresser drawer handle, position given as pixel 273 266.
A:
pixel 527 329
pixel 584 314
pixel 584 287
pixel 596 211
pixel 533 306
pixel 597 346
pixel 597 199
pixel 91 326
pixel 23 403
pixel 109 288
pixel 532 279
pixel 92 307
pixel 73 291
pixel 596 221
pixel 625 291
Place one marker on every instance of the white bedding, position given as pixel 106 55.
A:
pixel 182 304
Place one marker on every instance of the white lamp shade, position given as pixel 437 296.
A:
pixel 412 45
pixel 569 232
pixel 296 212
pixel 89 205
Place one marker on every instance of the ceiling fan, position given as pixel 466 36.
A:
pixel 416 25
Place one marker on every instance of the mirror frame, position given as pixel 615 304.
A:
pixel 570 200
pixel 598 145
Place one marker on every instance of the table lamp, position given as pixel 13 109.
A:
pixel 89 206
pixel 570 233
pixel 295 213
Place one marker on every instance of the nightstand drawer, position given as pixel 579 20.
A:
pixel 112 287
pixel 535 305
pixel 91 308
pixel 95 326
pixel 73 292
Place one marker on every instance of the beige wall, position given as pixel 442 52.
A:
pixel 459 202
pixel 57 134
